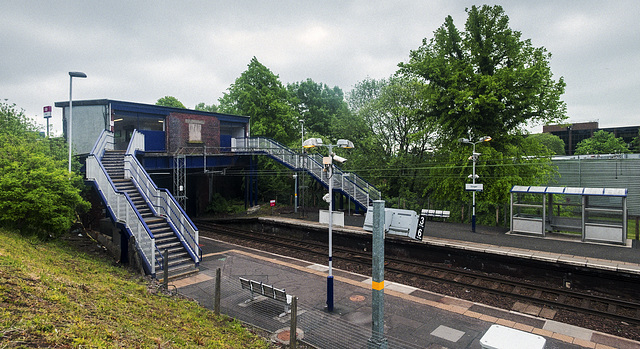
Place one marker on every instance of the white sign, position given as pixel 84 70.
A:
pixel 47 111
pixel 473 187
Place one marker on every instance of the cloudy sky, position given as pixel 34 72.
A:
pixel 140 51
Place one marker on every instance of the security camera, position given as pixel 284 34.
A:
pixel 339 159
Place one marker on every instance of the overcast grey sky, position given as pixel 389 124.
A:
pixel 140 51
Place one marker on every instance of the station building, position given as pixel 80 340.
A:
pixel 179 144
pixel 572 134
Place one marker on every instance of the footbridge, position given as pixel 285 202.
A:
pixel 349 184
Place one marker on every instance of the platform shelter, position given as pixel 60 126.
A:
pixel 599 214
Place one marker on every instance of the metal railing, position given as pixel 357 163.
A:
pixel 161 200
pixel 349 183
pixel 276 150
pixel 119 204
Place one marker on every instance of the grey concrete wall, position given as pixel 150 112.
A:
pixel 88 123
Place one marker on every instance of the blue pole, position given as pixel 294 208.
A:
pixel 330 276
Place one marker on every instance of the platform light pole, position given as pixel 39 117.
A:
pixel 72 74
pixel 301 163
pixel 328 162
pixel 474 157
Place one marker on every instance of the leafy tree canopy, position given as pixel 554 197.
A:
pixel 13 121
pixel 319 106
pixel 259 94
pixel 485 80
pixel 37 194
pixel 170 101
pixel 602 142
pixel 210 108
pixel 554 143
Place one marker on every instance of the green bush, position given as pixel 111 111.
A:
pixel 38 196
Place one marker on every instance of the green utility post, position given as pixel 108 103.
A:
pixel 377 340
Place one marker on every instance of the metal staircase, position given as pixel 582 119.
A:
pixel 351 185
pixel 147 213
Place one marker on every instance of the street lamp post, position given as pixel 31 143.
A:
pixel 300 164
pixel 474 157
pixel 72 74
pixel 328 162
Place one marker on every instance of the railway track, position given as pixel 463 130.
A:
pixel 540 295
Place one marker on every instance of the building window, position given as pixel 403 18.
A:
pixel 195 131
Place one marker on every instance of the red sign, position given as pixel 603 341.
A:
pixel 272 203
pixel 47 111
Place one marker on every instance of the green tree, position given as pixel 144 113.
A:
pixel 170 101
pixel 554 143
pixel 485 80
pixel 528 163
pixel 37 194
pixel 634 147
pixel 14 122
pixel 399 137
pixel 259 94
pixel 602 142
pixel 210 108
pixel 319 106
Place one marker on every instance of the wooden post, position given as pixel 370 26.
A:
pixel 165 270
pixel 293 327
pixel 217 292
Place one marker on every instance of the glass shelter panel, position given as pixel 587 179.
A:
pixel 565 213
pixel 527 213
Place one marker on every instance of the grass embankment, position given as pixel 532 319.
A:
pixel 54 295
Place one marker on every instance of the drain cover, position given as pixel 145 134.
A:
pixel 357 298
pixel 283 336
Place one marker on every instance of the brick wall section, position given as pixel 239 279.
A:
pixel 178 132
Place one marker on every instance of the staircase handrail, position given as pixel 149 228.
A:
pixel 351 184
pixel 161 200
pixel 105 142
pixel 372 192
pixel 121 206
pixel 284 154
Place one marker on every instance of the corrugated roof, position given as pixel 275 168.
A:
pixel 622 192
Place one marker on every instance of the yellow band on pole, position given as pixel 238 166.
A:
pixel 378 286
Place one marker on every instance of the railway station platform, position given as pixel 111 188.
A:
pixel 559 248
pixel 414 318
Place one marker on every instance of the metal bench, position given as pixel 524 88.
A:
pixel 436 214
pixel 268 291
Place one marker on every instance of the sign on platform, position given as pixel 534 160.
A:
pixel 473 187
pixel 422 221
pixel 47 111
pixel 272 203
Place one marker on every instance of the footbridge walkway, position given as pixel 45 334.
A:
pixel 349 184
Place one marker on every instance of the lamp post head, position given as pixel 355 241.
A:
pixel 77 74
pixel 464 140
pixel 312 143
pixel 344 143
pixel 485 138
